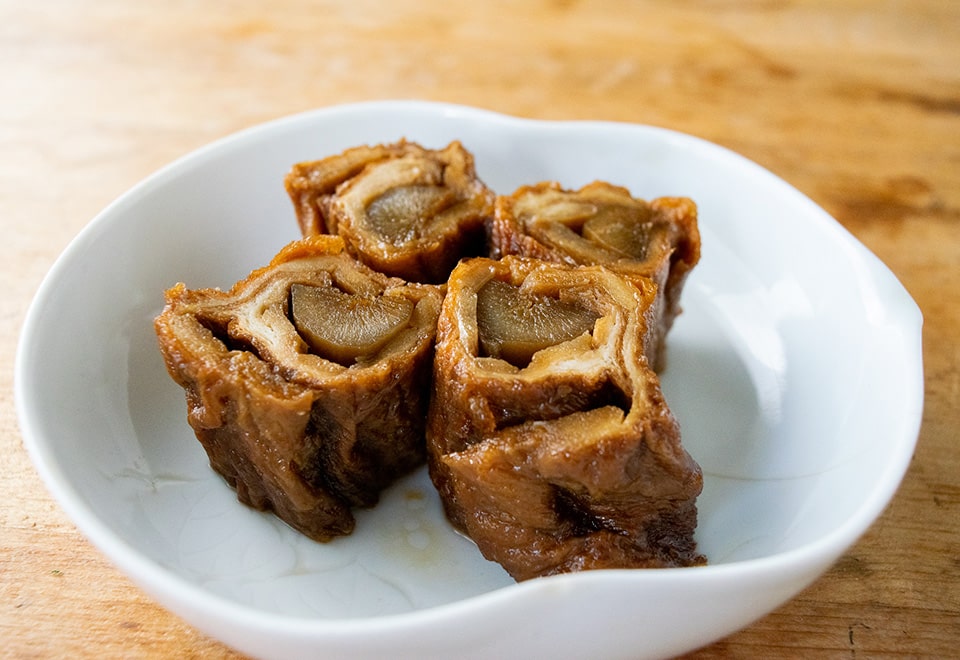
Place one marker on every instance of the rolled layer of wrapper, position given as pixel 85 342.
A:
pixel 402 209
pixel 307 383
pixel 602 224
pixel 548 437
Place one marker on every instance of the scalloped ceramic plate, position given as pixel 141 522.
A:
pixel 795 373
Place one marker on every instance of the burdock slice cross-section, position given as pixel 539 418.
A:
pixel 307 383
pixel 549 439
pixel 402 209
pixel 602 224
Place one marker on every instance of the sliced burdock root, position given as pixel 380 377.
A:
pixel 347 327
pixel 402 209
pixel 602 224
pixel 514 325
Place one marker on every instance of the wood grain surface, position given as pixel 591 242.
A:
pixel 855 102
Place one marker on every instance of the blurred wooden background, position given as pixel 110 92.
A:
pixel 855 102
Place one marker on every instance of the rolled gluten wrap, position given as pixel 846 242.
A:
pixel 548 437
pixel 402 209
pixel 307 383
pixel 602 224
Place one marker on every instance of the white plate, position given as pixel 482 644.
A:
pixel 795 373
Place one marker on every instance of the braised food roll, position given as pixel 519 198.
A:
pixel 307 383
pixel 603 224
pixel 548 437
pixel 402 209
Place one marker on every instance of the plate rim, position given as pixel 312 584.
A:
pixel 152 576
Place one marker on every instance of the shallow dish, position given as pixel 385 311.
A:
pixel 795 372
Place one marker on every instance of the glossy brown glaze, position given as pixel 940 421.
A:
pixel 402 209
pixel 293 431
pixel 602 224
pixel 572 461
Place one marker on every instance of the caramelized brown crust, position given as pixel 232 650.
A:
pixel 293 431
pixel 402 209
pixel 571 461
pixel 602 224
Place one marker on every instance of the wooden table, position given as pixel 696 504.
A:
pixel 857 103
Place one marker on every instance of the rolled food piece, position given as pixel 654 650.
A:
pixel 307 383
pixel 602 224
pixel 403 210
pixel 548 437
